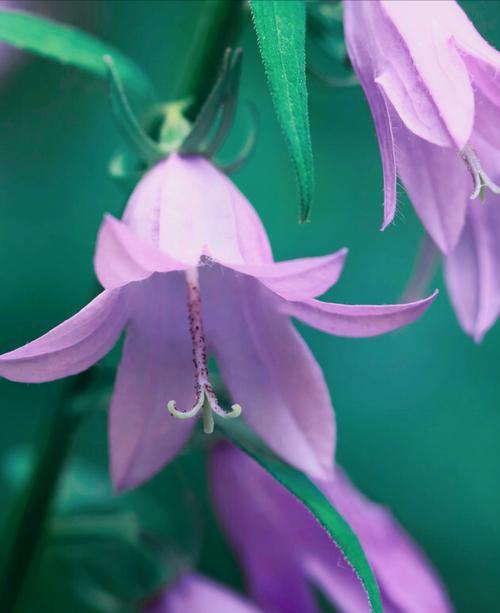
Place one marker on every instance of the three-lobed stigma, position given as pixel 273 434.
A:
pixel 480 179
pixel 206 399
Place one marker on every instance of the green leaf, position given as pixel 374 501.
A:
pixel 69 46
pixel 280 27
pixel 310 496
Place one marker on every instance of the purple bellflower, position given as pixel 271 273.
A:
pixel 433 86
pixel 284 551
pixel 472 269
pixel 190 271
pixel 192 593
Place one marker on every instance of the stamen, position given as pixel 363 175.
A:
pixel 206 399
pixel 479 177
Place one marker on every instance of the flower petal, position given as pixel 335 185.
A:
pixel 188 208
pixel 300 278
pixel 193 593
pixel 482 60
pixel 438 183
pixel 421 71
pixel 269 370
pixel 361 59
pixel 472 270
pixel 354 320
pixel 270 531
pixel 122 257
pixel 156 367
pixel 72 346
pixel 487 124
pixel 254 509
pixel 406 579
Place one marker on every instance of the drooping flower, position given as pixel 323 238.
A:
pixel 284 551
pixel 192 593
pixel 472 269
pixel 433 86
pixel 189 271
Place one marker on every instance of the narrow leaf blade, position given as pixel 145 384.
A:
pixel 310 496
pixel 69 46
pixel 280 28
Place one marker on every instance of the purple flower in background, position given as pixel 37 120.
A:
pixel 284 550
pixel 193 593
pixel 189 271
pixel 472 269
pixel 433 86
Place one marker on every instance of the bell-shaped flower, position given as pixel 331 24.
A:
pixel 472 269
pixel 188 272
pixel 285 552
pixel 192 593
pixel 433 86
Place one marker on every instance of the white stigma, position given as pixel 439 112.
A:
pixel 479 177
pixel 205 397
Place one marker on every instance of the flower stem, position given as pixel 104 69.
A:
pixel 30 514
pixel 217 27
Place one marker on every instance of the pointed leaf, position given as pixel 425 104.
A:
pixel 69 46
pixel 309 495
pixel 280 27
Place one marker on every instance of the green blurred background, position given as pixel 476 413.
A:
pixel 418 410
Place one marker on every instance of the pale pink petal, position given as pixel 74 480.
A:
pixel 405 577
pixel 269 530
pixel 269 370
pixel 421 71
pixel 361 58
pixel 472 270
pixel 188 208
pixel 482 60
pixel 156 367
pixel 254 509
pixel 487 127
pixel 122 257
pixel 438 183
pixel 298 279
pixel 357 320
pixel 72 346
pixel 193 593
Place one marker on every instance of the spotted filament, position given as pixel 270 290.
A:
pixel 479 177
pixel 205 397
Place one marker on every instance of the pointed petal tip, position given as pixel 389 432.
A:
pixel 385 223
pixel 478 337
pixel 121 257
pixel 425 303
pixel 445 244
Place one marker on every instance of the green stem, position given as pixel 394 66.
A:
pixel 217 27
pixel 31 513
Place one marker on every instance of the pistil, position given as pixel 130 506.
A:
pixel 205 397
pixel 479 177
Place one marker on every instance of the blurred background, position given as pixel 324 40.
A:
pixel 418 410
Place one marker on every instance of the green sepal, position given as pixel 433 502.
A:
pixel 146 147
pixel 221 100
